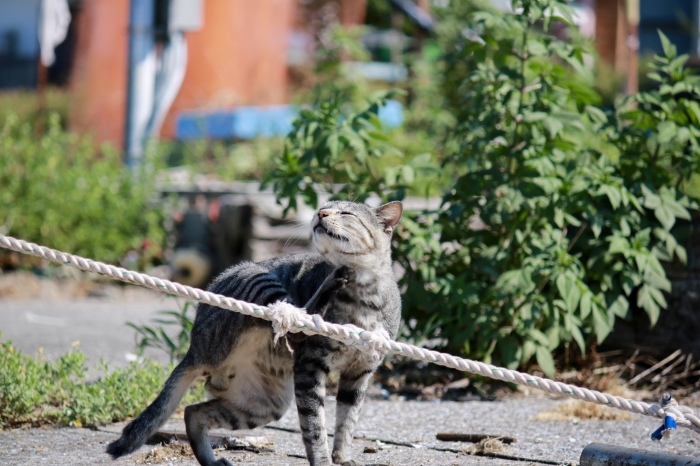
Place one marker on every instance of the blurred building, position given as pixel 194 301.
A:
pixel 242 53
pixel 238 57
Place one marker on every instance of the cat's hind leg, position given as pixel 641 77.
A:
pixel 199 419
pixel 213 414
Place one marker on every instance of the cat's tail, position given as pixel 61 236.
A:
pixel 137 432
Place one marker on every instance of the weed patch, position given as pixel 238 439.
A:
pixel 36 392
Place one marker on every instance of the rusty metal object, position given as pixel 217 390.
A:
pixel 597 454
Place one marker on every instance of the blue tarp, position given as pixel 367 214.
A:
pixel 253 122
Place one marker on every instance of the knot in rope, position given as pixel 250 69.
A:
pixel 285 318
pixel 672 413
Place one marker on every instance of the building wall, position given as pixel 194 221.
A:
pixel 237 58
pixel 98 81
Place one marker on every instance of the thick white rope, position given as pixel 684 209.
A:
pixel 286 318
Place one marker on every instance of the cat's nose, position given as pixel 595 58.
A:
pixel 324 213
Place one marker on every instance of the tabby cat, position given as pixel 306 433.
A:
pixel 251 379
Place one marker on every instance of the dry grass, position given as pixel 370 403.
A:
pixel 166 453
pixel 577 409
pixel 486 447
pixel 585 410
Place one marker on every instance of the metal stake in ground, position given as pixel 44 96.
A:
pixel 597 454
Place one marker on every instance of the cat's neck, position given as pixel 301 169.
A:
pixel 368 275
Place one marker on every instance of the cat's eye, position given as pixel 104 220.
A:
pixel 347 213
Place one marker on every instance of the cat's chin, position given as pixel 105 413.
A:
pixel 322 230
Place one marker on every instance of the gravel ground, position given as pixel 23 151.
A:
pixel 401 432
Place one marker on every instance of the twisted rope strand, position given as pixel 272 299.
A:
pixel 364 340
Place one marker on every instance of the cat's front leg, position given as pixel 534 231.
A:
pixel 310 372
pixel 352 387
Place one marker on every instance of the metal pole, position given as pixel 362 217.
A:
pixel 141 78
pixel 597 454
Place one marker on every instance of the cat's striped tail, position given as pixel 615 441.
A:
pixel 137 432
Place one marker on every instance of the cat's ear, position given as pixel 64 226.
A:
pixel 390 214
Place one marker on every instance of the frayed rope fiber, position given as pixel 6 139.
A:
pixel 287 318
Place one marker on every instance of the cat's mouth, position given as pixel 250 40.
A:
pixel 323 230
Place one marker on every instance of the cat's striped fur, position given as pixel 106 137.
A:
pixel 252 381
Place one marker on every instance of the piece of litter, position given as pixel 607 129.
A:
pixel 486 447
pixel 249 443
pixel 473 438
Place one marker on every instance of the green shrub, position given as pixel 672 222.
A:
pixel 59 190
pixel 34 391
pixel 25 105
pixel 576 206
pixel 558 214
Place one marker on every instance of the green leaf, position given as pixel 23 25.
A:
pixel 669 48
pixel 407 173
pixel 596 115
pixel 620 307
pixel 535 47
pixel 578 338
pixel 552 125
pixel 613 193
pixel 545 361
pixel 586 304
pixel 658 297
pixel 539 337
pixel 531 117
pixel 596 224
pixel 646 301
pixel 666 131
pixel 665 217
pixel 601 324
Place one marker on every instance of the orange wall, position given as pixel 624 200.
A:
pixel 98 80
pixel 239 57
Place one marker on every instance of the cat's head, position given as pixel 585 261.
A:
pixel 348 233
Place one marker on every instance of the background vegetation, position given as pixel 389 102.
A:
pixel 557 211
pixel 559 205
pixel 61 190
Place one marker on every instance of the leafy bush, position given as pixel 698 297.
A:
pixel 226 160
pixel 558 214
pixel 38 392
pixel 561 213
pixel 327 146
pixel 60 190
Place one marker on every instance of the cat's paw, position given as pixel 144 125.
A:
pixel 223 462
pixel 343 461
pixel 342 276
pixel 351 463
